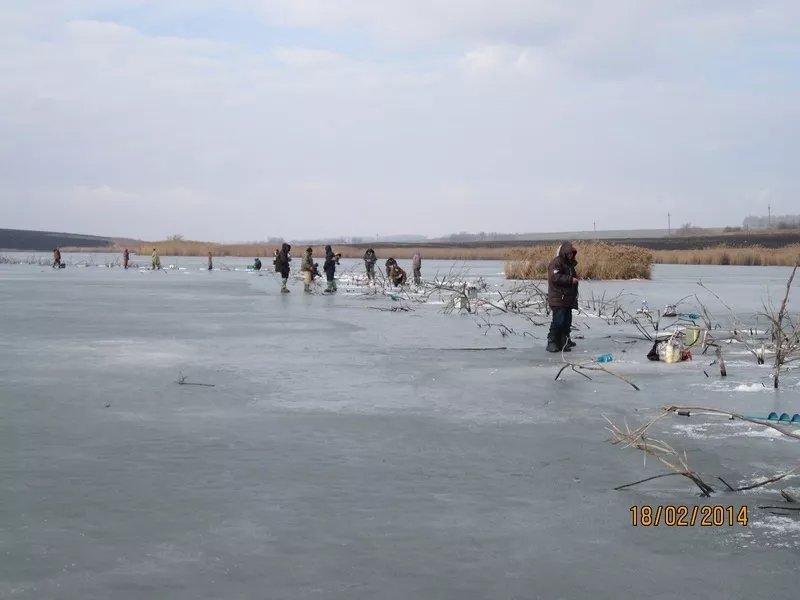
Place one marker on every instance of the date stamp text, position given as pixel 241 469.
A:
pixel 680 515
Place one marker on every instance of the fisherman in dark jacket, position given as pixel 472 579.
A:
pixel 562 296
pixel 329 266
pixel 369 262
pixel 282 261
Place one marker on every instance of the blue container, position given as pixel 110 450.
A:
pixel 605 358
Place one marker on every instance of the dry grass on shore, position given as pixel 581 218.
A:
pixel 596 261
pixel 189 248
pixel 721 255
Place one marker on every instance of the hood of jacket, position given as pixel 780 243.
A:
pixel 565 250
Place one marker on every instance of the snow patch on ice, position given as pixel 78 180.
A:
pixel 728 429
pixel 782 532
pixel 752 387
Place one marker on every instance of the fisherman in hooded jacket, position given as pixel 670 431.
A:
pixel 329 266
pixel 562 296
pixel 282 261
pixel 369 262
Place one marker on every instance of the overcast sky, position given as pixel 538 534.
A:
pixel 241 119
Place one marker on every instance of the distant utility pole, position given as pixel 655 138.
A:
pixel 669 223
pixel 595 226
pixel 769 215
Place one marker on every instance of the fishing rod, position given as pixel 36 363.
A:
pixel 773 417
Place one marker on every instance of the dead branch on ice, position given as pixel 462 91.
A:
pixel 659 449
pixel 677 461
pixel 785 331
pixel 591 366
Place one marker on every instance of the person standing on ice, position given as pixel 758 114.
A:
pixel 56 258
pixel 282 260
pixel 126 256
pixel 562 296
pixel 416 267
pixel 155 260
pixel 369 262
pixel 307 267
pixel 210 261
pixel 329 266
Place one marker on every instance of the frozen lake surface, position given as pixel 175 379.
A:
pixel 346 452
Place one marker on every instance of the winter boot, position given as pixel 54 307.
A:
pixel 284 289
pixel 570 343
pixel 563 344
pixel 552 346
pixel 306 288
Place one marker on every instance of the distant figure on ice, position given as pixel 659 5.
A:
pixel 275 257
pixel 390 262
pixel 562 296
pixel 307 267
pixel 257 264
pixel 155 260
pixel 282 260
pixel 126 257
pixel 416 267
pixel 369 262
pixel 210 261
pixel 331 260
pixel 56 258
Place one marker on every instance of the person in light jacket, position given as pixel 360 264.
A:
pixel 155 260
pixel 307 267
pixel 416 268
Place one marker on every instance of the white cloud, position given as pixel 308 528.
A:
pixel 526 105
pixel 308 58
pixel 504 61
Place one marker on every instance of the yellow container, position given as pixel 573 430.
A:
pixel 673 353
pixel 692 336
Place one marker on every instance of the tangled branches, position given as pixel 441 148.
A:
pixel 677 462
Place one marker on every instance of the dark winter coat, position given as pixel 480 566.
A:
pixel 330 262
pixel 282 261
pixel 561 291
pixel 369 258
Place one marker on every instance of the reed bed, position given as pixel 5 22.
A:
pixel 596 261
pixel 190 248
pixel 753 256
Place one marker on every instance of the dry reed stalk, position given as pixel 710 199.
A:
pixel 677 462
